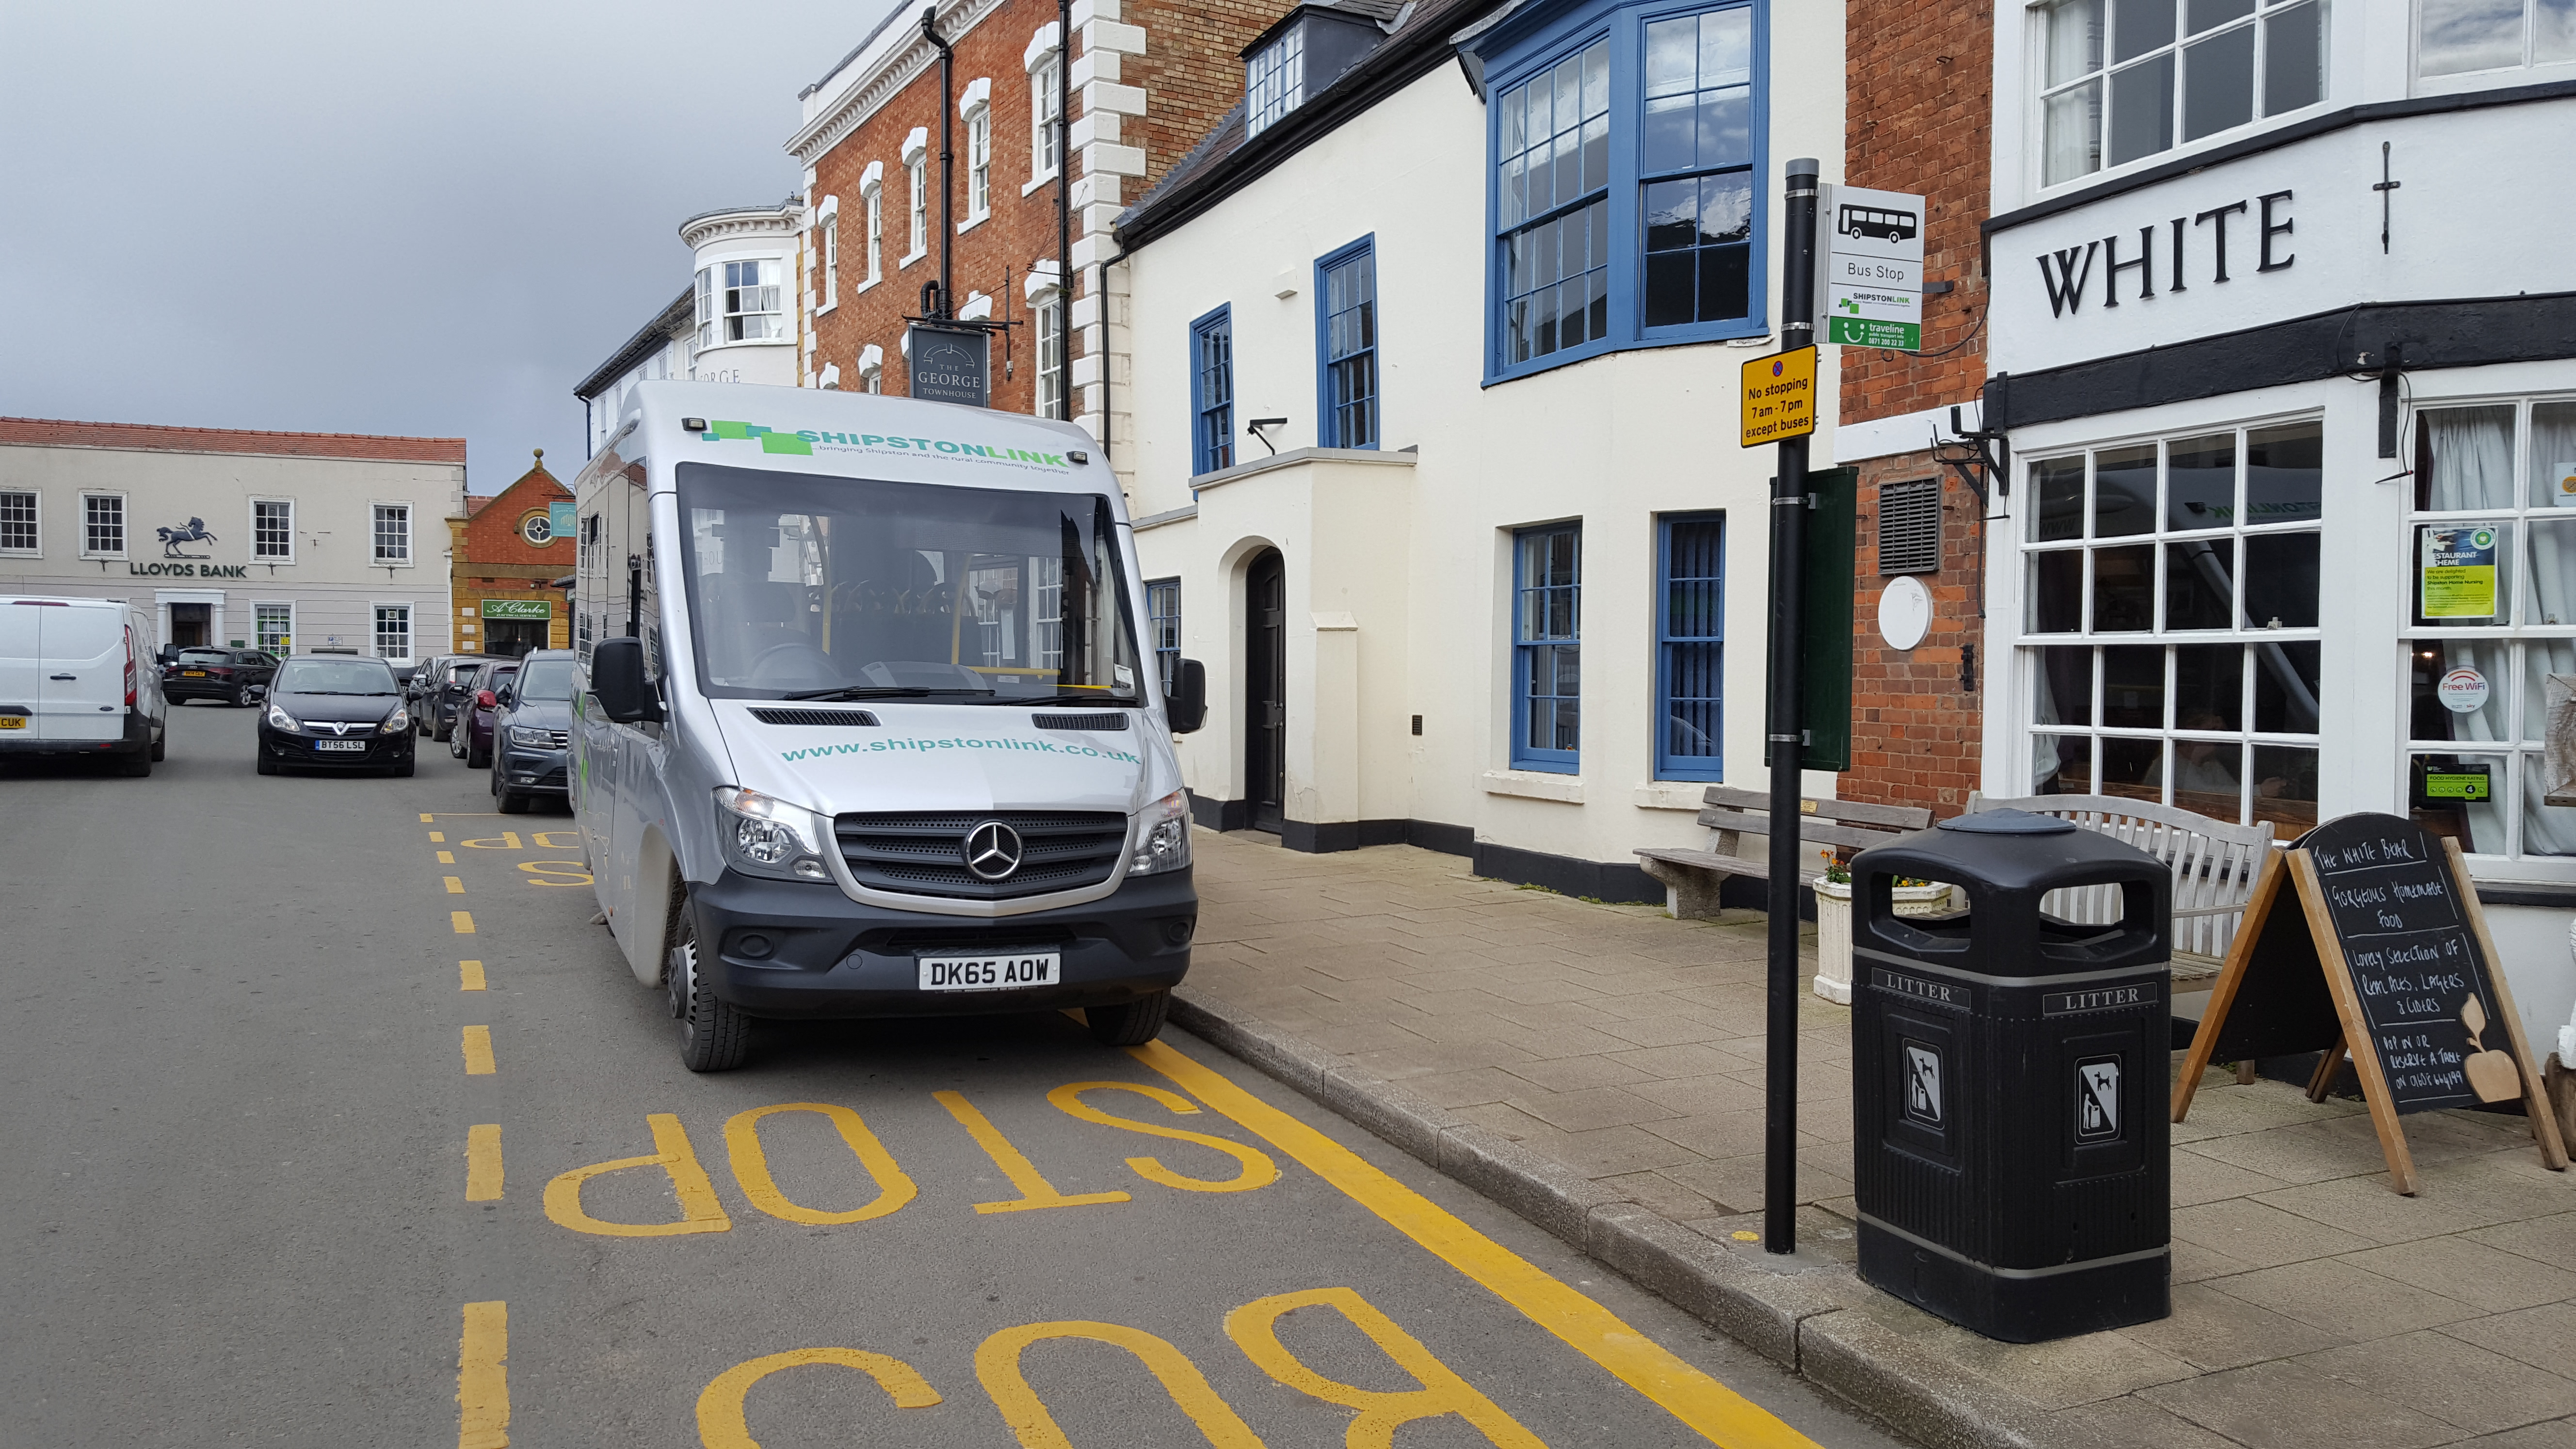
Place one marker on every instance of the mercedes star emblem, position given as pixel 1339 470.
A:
pixel 992 851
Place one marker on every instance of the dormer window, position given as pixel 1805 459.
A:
pixel 1306 51
pixel 1274 81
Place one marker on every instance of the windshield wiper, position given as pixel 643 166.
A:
pixel 877 691
pixel 1103 701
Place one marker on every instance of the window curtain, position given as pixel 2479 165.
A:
pixel 2471 452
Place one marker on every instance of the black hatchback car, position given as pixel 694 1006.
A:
pixel 532 734
pixel 336 712
pixel 226 674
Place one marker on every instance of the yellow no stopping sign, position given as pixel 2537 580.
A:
pixel 1779 397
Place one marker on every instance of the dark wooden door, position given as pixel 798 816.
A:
pixel 1265 734
pixel 191 624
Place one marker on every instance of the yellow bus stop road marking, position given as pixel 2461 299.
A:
pixel 483 1378
pixel 478 1051
pixel 463 921
pixel 1716 1412
pixel 483 1162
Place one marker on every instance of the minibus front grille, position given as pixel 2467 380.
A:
pixel 1097 720
pixel 846 718
pixel 924 854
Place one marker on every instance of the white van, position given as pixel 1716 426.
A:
pixel 866 728
pixel 80 677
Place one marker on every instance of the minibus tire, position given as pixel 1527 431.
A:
pixel 1129 1023
pixel 160 747
pixel 714 1035
pixel 136 765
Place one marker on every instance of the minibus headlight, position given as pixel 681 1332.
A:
pixel 767 836
pixel 279 719
pixel 1163 837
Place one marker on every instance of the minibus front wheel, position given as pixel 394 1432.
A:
pixel 1129 1023
pixel 715 1036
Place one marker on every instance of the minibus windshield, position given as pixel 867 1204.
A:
pixel 809 587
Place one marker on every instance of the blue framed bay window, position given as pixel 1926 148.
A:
pixel 1346 384
pixel 1212 391
pixel 1690 646
pixel 1547 648
pixel 1625 199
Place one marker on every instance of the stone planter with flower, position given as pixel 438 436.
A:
pixel 1834 922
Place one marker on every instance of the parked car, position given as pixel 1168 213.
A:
pixel 231 675
pixel 337 712
pixel 77 678
pixel 532 733
pixel 469 738
pixel 440 699
pixel 429 673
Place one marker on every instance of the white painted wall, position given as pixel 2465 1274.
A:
pixel 332 582
pixel 1418 557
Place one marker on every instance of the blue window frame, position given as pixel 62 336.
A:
pixel 1346 346
pixel 1690 646
pixel 1547 648
pixel 1163 627
pixel 1625 200
pixel 1212 391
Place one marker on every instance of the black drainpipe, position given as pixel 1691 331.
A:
pixel 1064 214
pixel 947 159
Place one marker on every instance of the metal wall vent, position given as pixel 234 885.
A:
pixel 1909 527
pixel 1103 720
pixel 845 718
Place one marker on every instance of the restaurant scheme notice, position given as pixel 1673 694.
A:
pixel 2456 572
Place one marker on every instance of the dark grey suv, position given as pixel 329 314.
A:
pixel 532 733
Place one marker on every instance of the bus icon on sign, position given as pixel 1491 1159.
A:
pixel 1876 223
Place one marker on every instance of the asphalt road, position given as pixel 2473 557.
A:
pixel 268 1186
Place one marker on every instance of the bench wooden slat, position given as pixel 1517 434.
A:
pixel 1856 812
pixel 1811 829
pixel 1722 864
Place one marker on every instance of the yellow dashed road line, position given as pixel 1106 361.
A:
pixel 483 1378
pixel 483 1162
pixel 469 975
pixel 455 887
pixel 463 921
pixel 478 1051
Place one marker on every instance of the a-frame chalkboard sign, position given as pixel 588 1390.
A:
pixel 2388 957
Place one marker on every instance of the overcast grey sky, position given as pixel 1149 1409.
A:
pixel 373 218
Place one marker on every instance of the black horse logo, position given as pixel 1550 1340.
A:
pixel 171 538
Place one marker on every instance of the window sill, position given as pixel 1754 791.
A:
pixel 1566 789
pixel 827 309
pixel 1749 332
pixel 972 222
pixel 908 259
pixel 392 563
pixel 104 557
pixel 870 285
pixel 1035 182
pixel 1671 795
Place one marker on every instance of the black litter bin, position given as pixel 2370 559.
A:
pixel 2009 1080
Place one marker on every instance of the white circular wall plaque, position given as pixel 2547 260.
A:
pixel 1904 612
pixel 2463 691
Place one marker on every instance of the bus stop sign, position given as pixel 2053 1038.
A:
pixel 1873 284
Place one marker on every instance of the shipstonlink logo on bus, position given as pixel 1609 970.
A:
pixel 772 441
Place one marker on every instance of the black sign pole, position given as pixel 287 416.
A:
pixel 1788 742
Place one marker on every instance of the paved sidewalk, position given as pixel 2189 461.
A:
pixel 2312 1306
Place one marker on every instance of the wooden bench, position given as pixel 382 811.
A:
pixel 1692 878
pixel 2213 865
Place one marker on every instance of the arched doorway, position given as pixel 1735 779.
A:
pixel 1265 675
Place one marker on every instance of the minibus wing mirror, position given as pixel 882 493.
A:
pixel 1187 704
pixel 617 677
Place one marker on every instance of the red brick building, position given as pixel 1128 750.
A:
pixel 1147 78
pixel 1920 80
pixel 504 556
